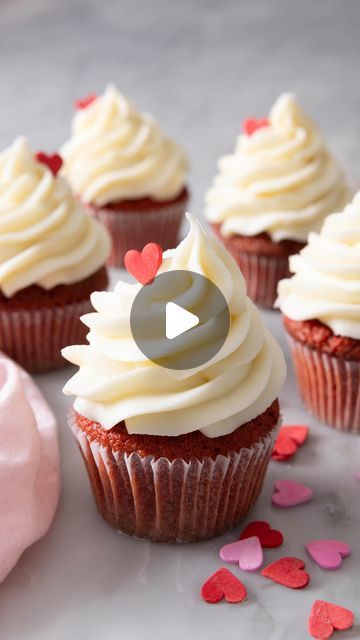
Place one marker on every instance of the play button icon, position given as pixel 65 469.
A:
pixel 180 321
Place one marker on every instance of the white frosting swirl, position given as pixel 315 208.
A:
pixel 117 153
pixel 46 237
pixel 116 382
pixel 281 179
pixel 326 284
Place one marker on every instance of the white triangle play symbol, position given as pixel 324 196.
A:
pixel 178 320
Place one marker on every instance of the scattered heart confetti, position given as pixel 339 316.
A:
pixel 328 554
pixel 145 265
pixel 290 494
pixel 269 538
pixel 289 572
pixel 248 553
pixel 83 103
pixel 253 124
pixel 54 162
pixel 325 618
pixel 223 584
pixel 288 441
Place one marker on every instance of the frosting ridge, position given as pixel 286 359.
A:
pixel 46 237
pixel 117 153
pixel 116 382
pixel 281 180
pixel 326 280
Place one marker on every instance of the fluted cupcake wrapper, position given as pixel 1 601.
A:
pixel 329 386
pixel 262 274
pixel 134 229
pixel 173 501
pixel 35 337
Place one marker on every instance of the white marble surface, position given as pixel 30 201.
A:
pixel 201 66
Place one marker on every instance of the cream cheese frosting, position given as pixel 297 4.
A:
pixel 116 153
pixel 46 237
pixel 326 281
pixel 281 180
pixel 115 381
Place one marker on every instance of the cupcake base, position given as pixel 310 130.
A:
pixel 262 262
pixel 166 499
pixel 134 223
pixel 329 384
pixel 35 325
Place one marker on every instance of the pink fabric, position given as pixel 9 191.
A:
pixel 29 464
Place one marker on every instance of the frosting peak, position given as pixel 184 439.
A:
pixel 46 237
pixel 118 153
pixel 281 180
pixel 116 382
pixel 326 281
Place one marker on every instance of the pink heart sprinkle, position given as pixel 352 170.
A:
pixel 290 494
pixel 248 553
pixel 328 554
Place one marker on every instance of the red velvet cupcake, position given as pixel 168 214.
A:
pixel 321 307
pixel 177 455
pixel 279 184
pixel 52 256
pixel 128 172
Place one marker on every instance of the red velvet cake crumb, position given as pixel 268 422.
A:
pixel 146 204
pixel 260 244
pixel 317 335
pixel 186 447
pixel 34 296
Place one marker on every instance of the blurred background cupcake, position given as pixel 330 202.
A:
pixel 177 455
pixel 321 307
pixel 278 185
pixel 52 256
pixel 121 164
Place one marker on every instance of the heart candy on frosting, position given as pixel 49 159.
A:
pixel 83 103
pixel 144 265
pixel 54 162
pixel 253 124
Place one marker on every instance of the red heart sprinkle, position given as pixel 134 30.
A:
pixel 297 433
pixel 290 572
pixel 54 162
pixel 83 103
pixel 253 124
pixel 223 584
pixel 288 442
pixel 145 265
pixel 325 618
pixel 269 538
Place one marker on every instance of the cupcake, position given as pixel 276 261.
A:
pixel 177 456
pixel 321 307
pixel 133 178
pixel 52 256
pixel 278 186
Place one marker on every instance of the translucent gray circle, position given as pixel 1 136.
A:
pixel 194 293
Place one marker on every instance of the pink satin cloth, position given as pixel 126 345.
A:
pixel 29 464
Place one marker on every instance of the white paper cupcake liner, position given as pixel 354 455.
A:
pixel 134 229
pixel 174 501
pixel 329 386
pixel 262 275
pixel 34 337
